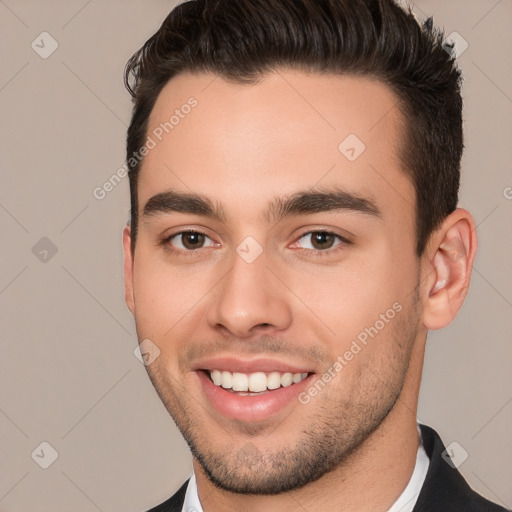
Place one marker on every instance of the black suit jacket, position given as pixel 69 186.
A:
pixel 444 489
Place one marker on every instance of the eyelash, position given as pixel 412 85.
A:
pixel 326 252
pixel 317 252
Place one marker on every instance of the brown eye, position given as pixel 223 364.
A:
pixel 189 240
pixel 320 242
pixel 192 240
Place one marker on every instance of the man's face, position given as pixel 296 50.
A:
pixel 262 290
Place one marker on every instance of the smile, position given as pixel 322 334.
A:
pixel 252 397
pixel 255 382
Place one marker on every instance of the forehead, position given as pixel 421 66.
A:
pixel 242 143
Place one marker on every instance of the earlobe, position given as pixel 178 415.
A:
pixel 128 269
pixel 455 245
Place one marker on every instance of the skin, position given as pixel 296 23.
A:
pixel 241 146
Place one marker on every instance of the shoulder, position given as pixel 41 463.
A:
pixel 444 487
pixel 174 503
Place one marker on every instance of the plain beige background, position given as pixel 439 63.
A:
pixel 68 375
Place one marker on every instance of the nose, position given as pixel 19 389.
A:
pixel 250 298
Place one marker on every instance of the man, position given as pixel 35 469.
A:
pixel 294 234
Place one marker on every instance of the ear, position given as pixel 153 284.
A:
pixel 447 269
pixel 128 268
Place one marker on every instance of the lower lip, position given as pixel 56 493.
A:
pixel 251 408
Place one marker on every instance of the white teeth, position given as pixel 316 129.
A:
pixel 286 379
pixel 240 382
pixel 216 377
pixel 274 380
pixel 227 380
pixel 255 382
pixel 297 377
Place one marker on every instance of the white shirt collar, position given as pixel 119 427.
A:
pixel 404 503
pixel 192 503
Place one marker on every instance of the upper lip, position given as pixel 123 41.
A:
pixel 233 364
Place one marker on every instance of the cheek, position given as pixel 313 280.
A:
pixel 166 298
pixel 348 299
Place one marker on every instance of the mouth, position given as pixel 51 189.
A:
pixel 252 397
pixel 255 383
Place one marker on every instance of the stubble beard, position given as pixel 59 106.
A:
pixel 336 429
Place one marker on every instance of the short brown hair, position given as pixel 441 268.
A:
pixel 242 40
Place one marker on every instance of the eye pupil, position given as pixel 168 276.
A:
pixel 192 240
pixel 325 240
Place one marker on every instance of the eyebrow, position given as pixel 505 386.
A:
pixel 299 203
